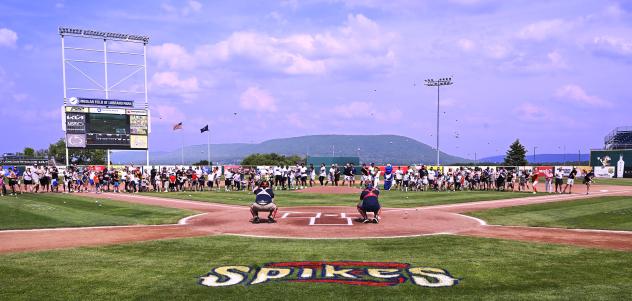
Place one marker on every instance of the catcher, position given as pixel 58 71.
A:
pixel 369 203
pixel 264 201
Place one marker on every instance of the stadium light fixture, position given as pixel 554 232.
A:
pixel 87 33
pixel 446 81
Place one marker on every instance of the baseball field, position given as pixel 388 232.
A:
pixel 428 245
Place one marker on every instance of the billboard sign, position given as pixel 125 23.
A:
pixel 617 163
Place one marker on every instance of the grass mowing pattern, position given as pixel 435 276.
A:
pixel 50 210
pixel 608 213
pixel 167 270
pixel 387 198
pixel 620 182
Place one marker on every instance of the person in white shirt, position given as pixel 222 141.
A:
pixel 399 175
pixel 323 175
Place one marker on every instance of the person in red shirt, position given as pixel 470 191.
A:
pixel 534 179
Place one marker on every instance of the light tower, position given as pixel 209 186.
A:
pixel 438 83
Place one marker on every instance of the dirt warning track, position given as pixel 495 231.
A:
pixel 319 223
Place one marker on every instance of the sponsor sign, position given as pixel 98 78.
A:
pixel 76 140
pixel 604 172
pixel 138 142
pixel 100 102
pixel 138 124
pixel 107 111
pixel 358 273
pixel 619 159
pixel 136 112
pixel 543 169
pixel 75 123
pixel 78 109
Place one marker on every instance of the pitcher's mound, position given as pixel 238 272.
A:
pixel 330 190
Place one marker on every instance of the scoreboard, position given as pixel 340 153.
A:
pixel 105 128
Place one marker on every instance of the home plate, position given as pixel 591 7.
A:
pixel 331 219
pixel 603 190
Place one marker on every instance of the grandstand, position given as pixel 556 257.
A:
pixel 619 138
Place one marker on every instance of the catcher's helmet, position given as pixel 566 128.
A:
pixel 264 184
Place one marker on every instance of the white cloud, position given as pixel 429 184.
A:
pixel 612 45
pixel 576 94
pixel 172 80
pixel 366 110
pixel 532 112
pixel 359 44
pixel 191 6
pixel 466 44
pixel 257 99
pixel 542 30
pixel 8 37
pixel 172 56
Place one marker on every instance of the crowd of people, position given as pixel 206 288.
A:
pixel 132 179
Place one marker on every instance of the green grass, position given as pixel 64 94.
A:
pixel 620 182
pixel 610 212
pixel 49 210
pixel 169 269
pixel 387 198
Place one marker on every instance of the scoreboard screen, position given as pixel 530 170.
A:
pixel 104 128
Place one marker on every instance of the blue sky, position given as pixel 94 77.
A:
pixel 552 73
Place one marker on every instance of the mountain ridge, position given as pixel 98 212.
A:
pixel 383 149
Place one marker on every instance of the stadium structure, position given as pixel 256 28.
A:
pixel 619 138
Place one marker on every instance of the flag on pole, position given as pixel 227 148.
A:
pixel 178 126
pixel 204 129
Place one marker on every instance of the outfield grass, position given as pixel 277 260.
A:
pixel 387 198
pixel 49 210
pixel 610 212
pixel 621 182
pixel 168 270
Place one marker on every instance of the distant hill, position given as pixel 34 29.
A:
pixel 372 148
pixel 541 158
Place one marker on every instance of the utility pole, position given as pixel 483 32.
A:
pixel 438 83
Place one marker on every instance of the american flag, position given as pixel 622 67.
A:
pixel 177 126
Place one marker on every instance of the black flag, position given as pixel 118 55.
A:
pixel 204 129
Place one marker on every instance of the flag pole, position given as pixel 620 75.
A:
pixel 182 149
pixel 208 147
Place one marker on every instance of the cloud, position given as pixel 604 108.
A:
pixel 191 6
pixel 612 46
pixel 366 110
pixel 542 30
pixel 8 37
pixel 576 94
pixel 172 56
pixel 257 99
pixel 466 44
pixel 360 44
pixel 532 112
pixel 172 80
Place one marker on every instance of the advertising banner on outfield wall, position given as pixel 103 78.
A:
pixel 612 162
pixel 543 169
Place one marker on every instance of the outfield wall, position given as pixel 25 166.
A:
pixel 612 163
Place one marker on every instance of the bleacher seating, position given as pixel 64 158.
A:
pixel 619 138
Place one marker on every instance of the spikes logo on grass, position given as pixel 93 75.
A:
pixel 377 274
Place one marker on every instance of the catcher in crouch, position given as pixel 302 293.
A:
pixel 264 201
pixel 369 203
